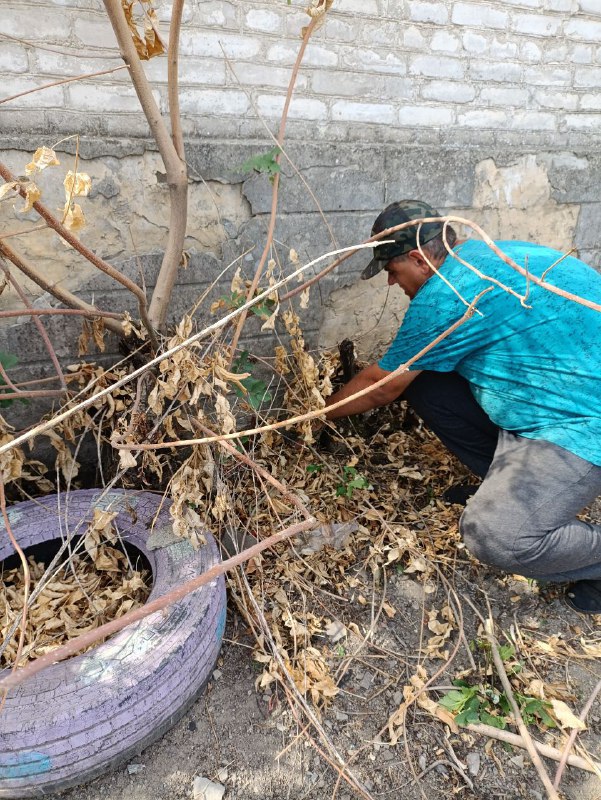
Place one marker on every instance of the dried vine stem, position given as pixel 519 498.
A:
pixel 172 154
pixel 311 414
pixel 51 423
pixel 38 324
pixel 487 240
pixel 524 732
pixel 62 295
pixel 109 628
pixel 57 226
pixel 565 755
pixel 544 749
pixel 59 83
pixel 276 182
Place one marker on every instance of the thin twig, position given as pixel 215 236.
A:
pixel 63 295
pixel 276 182
pixel 544 749
pixel 573 734
pixel 524 732
pixel 19 394
pixel 38 324
pixel 88 254
pixel 65 312
pixel 67 53
pixel 59 83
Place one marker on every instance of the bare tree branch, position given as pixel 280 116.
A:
pixel 175 165
pixel 102 265
pixel 62 295
pixel 60 83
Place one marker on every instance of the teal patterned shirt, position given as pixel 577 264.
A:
pixel 536 371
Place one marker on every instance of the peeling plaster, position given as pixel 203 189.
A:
pixel 368 312
pixel 515 202
pixel 509 202
pixel 127 213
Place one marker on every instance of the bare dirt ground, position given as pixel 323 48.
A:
pixel 248 739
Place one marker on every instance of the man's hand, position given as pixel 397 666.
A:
pixel 380 396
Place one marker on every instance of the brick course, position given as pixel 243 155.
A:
pixel 370 62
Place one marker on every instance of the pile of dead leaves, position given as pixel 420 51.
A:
pixel 94 584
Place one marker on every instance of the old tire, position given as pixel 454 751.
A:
pixel 81 717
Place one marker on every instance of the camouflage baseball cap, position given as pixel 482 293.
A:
pixel 405 240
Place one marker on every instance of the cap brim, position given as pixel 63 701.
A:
pixel 374 266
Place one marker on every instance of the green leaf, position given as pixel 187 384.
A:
pixel 264 310
pixel 242 363
pixel 490 719
pixel 314 467
pixel 264 163
pixel 506 651
pixel 453 700
pixel 358 483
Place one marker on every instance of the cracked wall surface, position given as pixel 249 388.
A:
pixel 510 200
pixel 127 213
pixel 548 196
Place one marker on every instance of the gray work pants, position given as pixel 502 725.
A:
pixel 523 520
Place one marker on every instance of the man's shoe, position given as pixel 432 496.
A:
pixel 584 596
pixel 460 493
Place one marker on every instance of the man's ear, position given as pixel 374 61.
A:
pixel 419 261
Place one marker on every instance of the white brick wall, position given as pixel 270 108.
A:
pixel 492 64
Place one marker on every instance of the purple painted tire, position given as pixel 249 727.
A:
pixel 89 714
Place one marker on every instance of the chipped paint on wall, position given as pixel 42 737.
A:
pixel 516 202
pixel 509 202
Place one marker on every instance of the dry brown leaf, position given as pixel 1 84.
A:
pixel 42 158
pixel 8 187
pixel 73 217
pixel 565 716
pixel 32 195
pixel 77 184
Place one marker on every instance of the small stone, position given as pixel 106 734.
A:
pixel 341 716
pixel 518 761
pixel 366 681
pixel 473 763
pixel 397 698
pixel 217 673
pixel 135 769
pixel 205 789
pixel 192 726
pixel 223 774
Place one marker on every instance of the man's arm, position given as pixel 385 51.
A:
pixel 378 397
